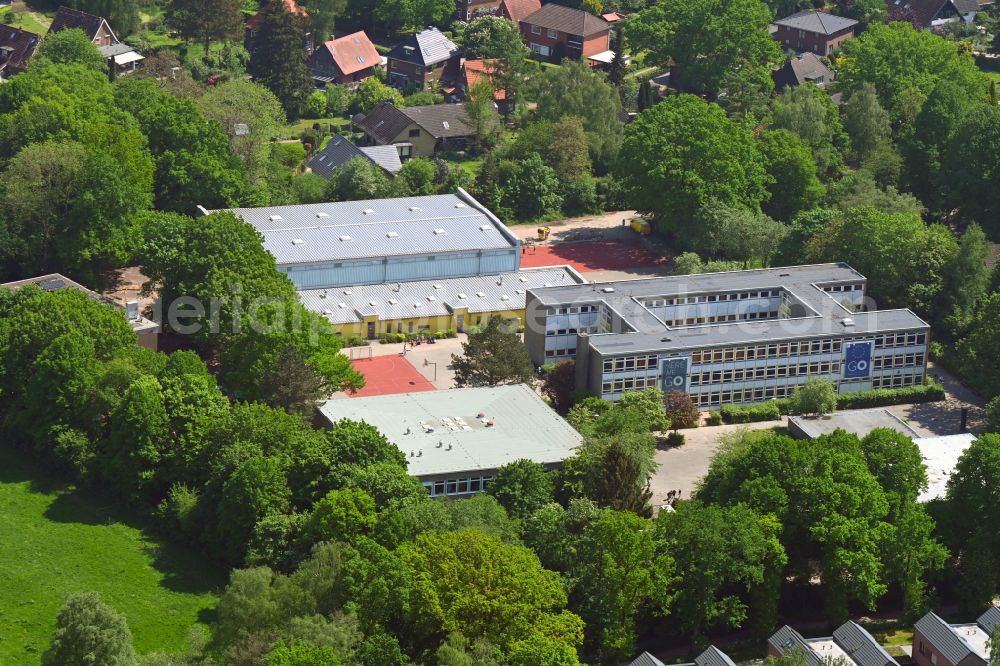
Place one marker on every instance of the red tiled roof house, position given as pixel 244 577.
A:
pixel 16 48
pixel 344 60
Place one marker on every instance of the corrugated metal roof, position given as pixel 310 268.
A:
pixel 444 427
pixel 646 659
pixel 713 656
pixel 346 230
pixel 480 294
pixel 862 646
pixel 786 639
pixel 386 157
pixel 944 639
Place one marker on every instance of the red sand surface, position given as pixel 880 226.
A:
pixel 587 256
pixel 389 374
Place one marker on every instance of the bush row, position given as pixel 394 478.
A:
pixel 421 335
pixel 774 409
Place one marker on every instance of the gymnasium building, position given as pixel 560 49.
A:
pixel 735 337
pixel 404 265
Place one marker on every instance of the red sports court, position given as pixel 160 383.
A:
pixel 389 374
pixel 587 256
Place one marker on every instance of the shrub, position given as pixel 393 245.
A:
pixel 714 419
pixel 675 438
pixel 993 415
pixel 355 341
pixel 765 411
pixel 884 397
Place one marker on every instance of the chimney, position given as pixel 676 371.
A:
pixel 132 310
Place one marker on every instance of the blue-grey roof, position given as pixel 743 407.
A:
pixel 376 228
pixel 713 656
pixel 339 150
pixel 646 659
pixel 428 47
pixel 432 298
pixel 386 157
pixel 786 639
pixel 811 20
pixel 942 636
pixel 861 646
pixel 990 619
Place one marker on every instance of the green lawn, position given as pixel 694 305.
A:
pixel 469 165
pixel 35 22
pixel 55 540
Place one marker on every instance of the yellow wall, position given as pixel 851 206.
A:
pixel 437 323
pixel 423 145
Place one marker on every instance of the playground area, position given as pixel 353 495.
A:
pixel 590 256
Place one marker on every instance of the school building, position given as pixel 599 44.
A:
pixel 735 337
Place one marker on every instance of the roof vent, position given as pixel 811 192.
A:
pixel 480 294
pixel 415 209
pixel 847 322
pixel 523 279
pixel 437 286
pixel 392 234
pixel 520 291
pixel 461 296
pixel 608 290
pixel 297 241
pixel 348 292
pixel 460 205
pixel 504 297
pixel 666 339
pixel 416 305
pixel 342 305
pixel 439 231
pixel 345 238
pixel 431 298
pixel 372 303
pixel 322 294
pixel 547 284
pixel 393 301
pixel 328 312
pixel 275 218
pixel 368 211
pixel 485 227
pixel 784 274
pixel 322 215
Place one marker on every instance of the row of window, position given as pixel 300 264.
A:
pixel 843 287
pixel 896 381
pixel 712 298
pixel 537 30
pixel 630 363
pixel 550 353
pixel 629 384
pixel 572 331
pixel 457 486
pixel 773 350
pixel 571 310
pixel 773 314
pixel 739 396
pixel 898 361
pixel 748 374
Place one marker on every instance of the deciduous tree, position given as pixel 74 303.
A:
pixel 88 631
pixel 493 356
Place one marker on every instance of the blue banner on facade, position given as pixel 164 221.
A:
pixel 674 374
pixel 858 359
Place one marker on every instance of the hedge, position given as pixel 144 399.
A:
pixel 774 409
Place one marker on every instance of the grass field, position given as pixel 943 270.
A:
pixel 35 22
pixel 55 540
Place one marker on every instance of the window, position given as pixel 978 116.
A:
pixel 553 34
pixel 414 133
pixel 536 29
pixel 405 151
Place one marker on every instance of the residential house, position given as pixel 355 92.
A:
pixel 518 10
pixel 814 31
pixel 802 68
pixel 16 48
pixel 252 26
pixel 339 150
pixel 126 59
pixel 417 131
pixel 713 656
pixel 345 60
pixel 423 61
pixel 148 331
pixel 476 71
pixel 555 32
pixel 933 14
pixel 938 643
pixel 850 642
pixel 469 9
